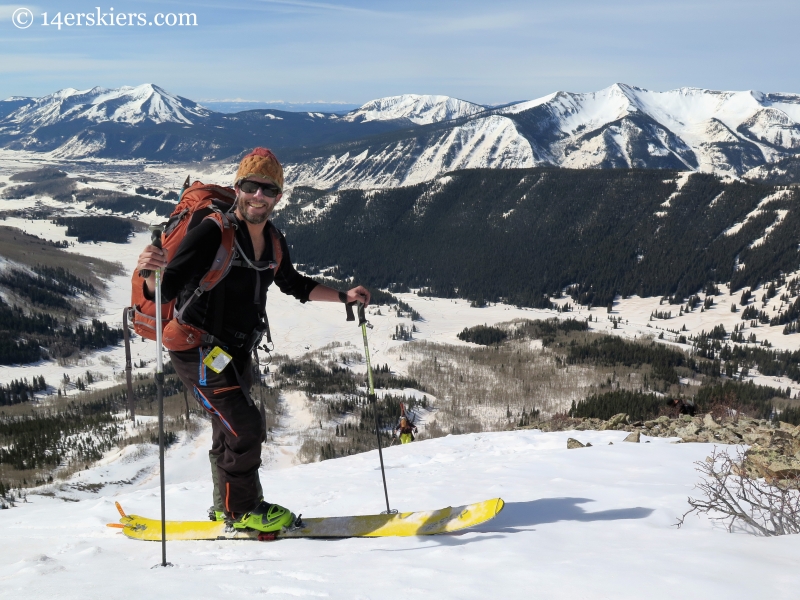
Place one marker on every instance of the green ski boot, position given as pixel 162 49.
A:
pixel 266 517
pixel 215 515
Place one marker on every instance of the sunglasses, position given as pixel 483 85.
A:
pixel 251 187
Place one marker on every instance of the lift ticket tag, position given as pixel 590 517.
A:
pixel 217 359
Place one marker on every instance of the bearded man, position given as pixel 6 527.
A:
pixel 234 314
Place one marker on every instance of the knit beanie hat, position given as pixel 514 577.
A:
pixel 261 162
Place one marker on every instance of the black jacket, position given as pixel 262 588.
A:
pixel 234 307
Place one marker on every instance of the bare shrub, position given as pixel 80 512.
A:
pixel 735 499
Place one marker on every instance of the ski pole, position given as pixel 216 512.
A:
pixel 362 321
pixel 155 232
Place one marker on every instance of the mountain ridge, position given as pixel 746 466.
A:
pixel 405 139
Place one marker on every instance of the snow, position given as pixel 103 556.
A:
pixel 700 117
pixel 487 142
pixel 595 522
pixel 589 523
pixel 298 329
pixel 419 109
pixel 126 104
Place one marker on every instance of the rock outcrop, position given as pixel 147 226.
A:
pixel 774 447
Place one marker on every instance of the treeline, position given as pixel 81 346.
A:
pixel 638 405
pixel 731 397
pixel 44 291
pixel 521 235
pixel 19 390
pixel 611 350
pixel 314 378
pixel 746 398
pixel 547 329
pixel 22 336
pixel 483 335
pixel 101 228
pixel 81 432
pixel 772 363
pixel 357 433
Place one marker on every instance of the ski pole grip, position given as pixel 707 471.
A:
pixel 155 240
pixel 362 317
pixel 348 307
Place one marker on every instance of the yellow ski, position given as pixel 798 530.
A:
pixel 432 522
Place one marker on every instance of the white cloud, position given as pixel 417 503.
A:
pixel 6 10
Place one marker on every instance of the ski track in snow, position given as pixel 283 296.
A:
pixel 588 523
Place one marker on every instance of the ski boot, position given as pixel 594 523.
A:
pixel 266 517
pixel 215 515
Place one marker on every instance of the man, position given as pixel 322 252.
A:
pixel 234 313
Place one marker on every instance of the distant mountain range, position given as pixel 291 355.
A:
pixel 408 139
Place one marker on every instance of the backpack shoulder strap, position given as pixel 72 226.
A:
pixel 221 264
pixel 277 250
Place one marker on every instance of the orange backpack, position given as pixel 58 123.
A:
pixel 176 333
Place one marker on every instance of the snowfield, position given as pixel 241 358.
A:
pixel 587 523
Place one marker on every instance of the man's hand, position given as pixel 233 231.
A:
pixel 323 293
pixel 151 258
pixel 358 294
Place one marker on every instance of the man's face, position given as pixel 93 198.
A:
pixel 255 207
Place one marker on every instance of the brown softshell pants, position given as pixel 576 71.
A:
pixel 237 426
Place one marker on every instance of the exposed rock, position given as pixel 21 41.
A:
pixel 687 431
pixel 632 437
pixel 774 467
pixel 761 438
pixel 709 422
pixel 615 422
pixel 573 443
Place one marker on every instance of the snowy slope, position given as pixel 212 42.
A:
pixel 131 105
pixel 760 127
pixel 419 109
pixel 588 523
pixel 622 126
pixel 486 142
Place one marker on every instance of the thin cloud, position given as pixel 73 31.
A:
pixel 474 23
pixel 7 10
pixel 330 7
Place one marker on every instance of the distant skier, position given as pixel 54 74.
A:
pixel 405 430
pixel 230 319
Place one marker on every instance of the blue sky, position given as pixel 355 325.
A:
pixel 352 51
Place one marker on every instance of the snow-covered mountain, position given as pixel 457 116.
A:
pixel 416 108
pixel 728 133
pixel 131 105
pixel 491 141
pixel 622 125
pixel 146 122
pixel 410 138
